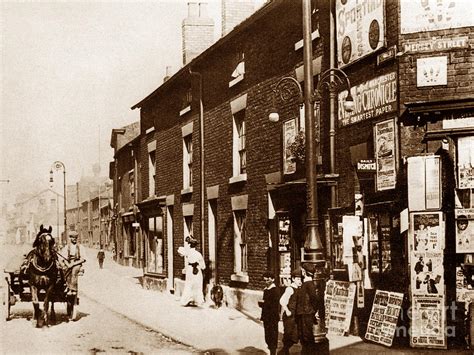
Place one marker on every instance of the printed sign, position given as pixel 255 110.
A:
pixel 384 317
pixel 437 44
pixel 428 321
pixel 289 135
pixel 339 303
pixel 427 273
pixel 464 230
pixel 385 148
pixel 432 15
pixel 371 99
pixel 360 29
pixel 432 71
pixel 466 162
pixel 426 232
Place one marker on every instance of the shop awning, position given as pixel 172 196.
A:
pixel 418 112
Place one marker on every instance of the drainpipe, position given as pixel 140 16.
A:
pixel 201 160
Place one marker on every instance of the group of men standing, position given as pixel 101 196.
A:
pixel 299 304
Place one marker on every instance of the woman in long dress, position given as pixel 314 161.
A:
pixel 194 265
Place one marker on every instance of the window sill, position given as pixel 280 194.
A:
pixel 239 278
pixel 185 110
pixel 188 190
pixel 236 80
pixel 238 178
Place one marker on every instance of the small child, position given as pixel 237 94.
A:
pixel 270 311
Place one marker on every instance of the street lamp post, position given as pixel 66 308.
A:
pixel 286 88
pixel 58 165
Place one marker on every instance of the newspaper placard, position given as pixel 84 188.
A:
pixel 385 155
pixel 428 328
pixel 426 232
pixel 384 317
pixel 464 230
pixel 427 273
pixel 339 298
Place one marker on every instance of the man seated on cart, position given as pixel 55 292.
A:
pixel 72 260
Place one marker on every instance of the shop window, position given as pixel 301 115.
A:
pixel 155 245
pixel 240 242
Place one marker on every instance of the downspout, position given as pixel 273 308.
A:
pixel 201 160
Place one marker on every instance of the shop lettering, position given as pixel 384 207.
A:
pixel 349 16
pixel 371 99
pixel 437 44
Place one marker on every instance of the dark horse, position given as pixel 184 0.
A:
pixel 42 273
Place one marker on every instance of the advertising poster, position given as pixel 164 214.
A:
pixel 385 156
pixel 339 303
pixel 360 29
pixel 372 98
pixel 464 230
pixel 427 273
pixel 424 183
pixel 426 232
pixel 428 328
pixel 352 234
pixel 384 317
pixel 466 162
pixel 289 135
pixel 432 15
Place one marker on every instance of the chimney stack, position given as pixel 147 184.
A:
pixel 234 12
pixel 197 31
pixel 168 73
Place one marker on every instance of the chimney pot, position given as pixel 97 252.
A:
pixel 193 10
pixel 168 73
pixel 203 9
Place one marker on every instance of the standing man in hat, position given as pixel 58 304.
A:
pixel 194 264
pixel 307 305
pixel 288 307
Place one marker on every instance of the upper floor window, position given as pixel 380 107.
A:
pixel 187 156
pixel 151 173
pixel 186 102
pixel 240 242
pixel 239 140
pixel 188 226
pixel 131 182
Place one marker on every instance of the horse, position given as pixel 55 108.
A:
pixel 42 274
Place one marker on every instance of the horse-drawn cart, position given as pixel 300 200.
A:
pixel 19 290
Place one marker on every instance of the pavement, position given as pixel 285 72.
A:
pixel 206 329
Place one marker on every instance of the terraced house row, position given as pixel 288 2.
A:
pixel 205 159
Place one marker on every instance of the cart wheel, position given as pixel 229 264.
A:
pixel 6 301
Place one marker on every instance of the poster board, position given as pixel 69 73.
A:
pixel 428 322
pixel 424 183
pixel 385 155
pixel 384 317
pixel 426 232
pixel 339 303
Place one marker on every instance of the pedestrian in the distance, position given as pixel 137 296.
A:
pixel 288 308
pixel 194 264
pixel 270 311
pixel 101 257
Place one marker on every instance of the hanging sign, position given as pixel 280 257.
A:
pixel 372 98
pixel 360 29
pixel 385 155
pixel 339 303
pixel 428 322
pixel 384 317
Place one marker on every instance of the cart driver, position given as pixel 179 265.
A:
pixel 73 256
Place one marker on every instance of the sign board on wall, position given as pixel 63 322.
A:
pixel 360 29
pixel 372 98
pixel 385 155
pixel 436 44
pixel 289 135
pixel 384 317
pixel 424 183
pixel 432 71
pixel 432 15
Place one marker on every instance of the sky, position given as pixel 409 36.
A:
pixel 70 72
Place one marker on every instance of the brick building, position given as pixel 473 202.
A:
pixel 247 207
